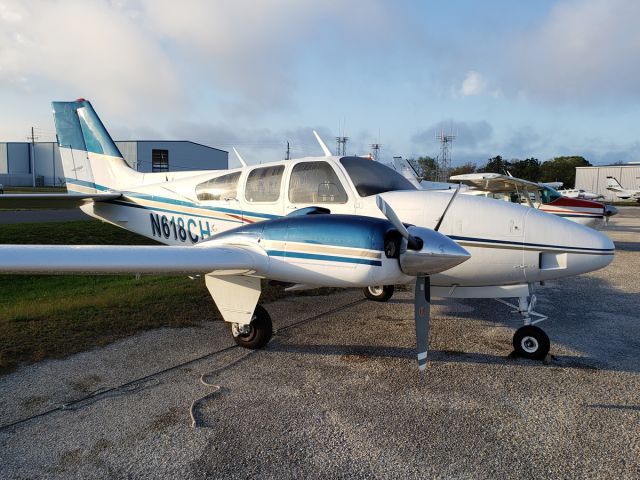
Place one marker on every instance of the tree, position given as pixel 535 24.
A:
pixel 562 169
pixel 468 167
pixel 427 167
pixel 528 169
pixel 496 165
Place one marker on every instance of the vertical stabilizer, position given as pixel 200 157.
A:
pixel 90 159
pixel 614 184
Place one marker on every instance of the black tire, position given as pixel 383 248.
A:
pixel 260 330
pixel 531 342
pixel 379 293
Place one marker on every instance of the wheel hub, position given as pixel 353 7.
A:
pixel 241 330
pixel 376 290
pixel 529 344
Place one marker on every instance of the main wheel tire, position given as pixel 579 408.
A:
pixel 531 342
pixel 260 330
pixel 379 293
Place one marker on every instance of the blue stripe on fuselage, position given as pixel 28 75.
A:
pixel 524 244
pixel 327 258
pixel 170 201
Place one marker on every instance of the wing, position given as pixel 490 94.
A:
pixel 53 200
pixel 494 182
pixel 210 258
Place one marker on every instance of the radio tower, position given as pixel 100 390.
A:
pixel 444 160
pixel 342 145
pixel 376 150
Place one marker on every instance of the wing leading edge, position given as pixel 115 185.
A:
pixel 112 259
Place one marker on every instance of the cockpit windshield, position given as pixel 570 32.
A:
pixel 548 194
pixel 370 177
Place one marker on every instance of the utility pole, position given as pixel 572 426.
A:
pixel 32 157
pixel 288 157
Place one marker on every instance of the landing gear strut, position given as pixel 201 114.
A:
pixel 529 341
pixel 378 293
pixel 255 335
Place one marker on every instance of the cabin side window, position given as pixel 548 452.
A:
pixel 263 184
pixel 219 188
pixel 315 182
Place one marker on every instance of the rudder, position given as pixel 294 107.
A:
pixel 90 158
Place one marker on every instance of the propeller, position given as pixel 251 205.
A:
pixel 427 252
pixel 412 242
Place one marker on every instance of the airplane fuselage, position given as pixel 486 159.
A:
pixel 510 245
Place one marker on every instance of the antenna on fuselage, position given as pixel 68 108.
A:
pixel 240 159
pixel 323 146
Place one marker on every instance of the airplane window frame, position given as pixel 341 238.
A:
pixel 341 193
pixel 280 168
pixel 213 181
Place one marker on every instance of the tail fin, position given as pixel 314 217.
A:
pixel 613 184
pixel 90 159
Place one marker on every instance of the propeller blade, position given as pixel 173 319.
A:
pixel 447 208
pixel 388 212
pixel 422 311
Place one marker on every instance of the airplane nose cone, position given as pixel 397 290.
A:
pixel 438 253
pixel 566 247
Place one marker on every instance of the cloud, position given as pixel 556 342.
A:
pixel 585 51
pixel 164 55
pixel 473 84
pixel 86 47
pixel 468 134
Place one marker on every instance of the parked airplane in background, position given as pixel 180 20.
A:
pixel 580 193
pixel 625 194
pixel 539 196
pixel 311 222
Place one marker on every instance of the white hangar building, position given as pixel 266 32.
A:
pixel 594 179
pixel 24 164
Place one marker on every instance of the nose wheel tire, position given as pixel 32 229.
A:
pixel 255 335
pixel 531 342
pixel 379 293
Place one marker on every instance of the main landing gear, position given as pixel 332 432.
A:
pixel 255 335
pixel 529 341
pixel 378 293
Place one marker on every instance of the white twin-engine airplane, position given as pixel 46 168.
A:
pixel 311 222
pixel 623 193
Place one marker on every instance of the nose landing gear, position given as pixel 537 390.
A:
pixel 529 341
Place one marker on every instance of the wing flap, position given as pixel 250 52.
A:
pixel 115 259
pixel 52 200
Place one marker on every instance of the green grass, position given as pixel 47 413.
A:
pixel 53 316
pixel 35 189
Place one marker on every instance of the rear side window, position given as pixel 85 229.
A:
pixel 315 182
pixel 263 184
pixel 219 188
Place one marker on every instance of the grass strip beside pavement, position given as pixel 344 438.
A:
pixel 53 316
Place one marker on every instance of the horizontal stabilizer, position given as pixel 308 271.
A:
pixel 112 259
pixel 53 200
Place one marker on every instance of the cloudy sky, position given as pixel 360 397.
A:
pixel 517 79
